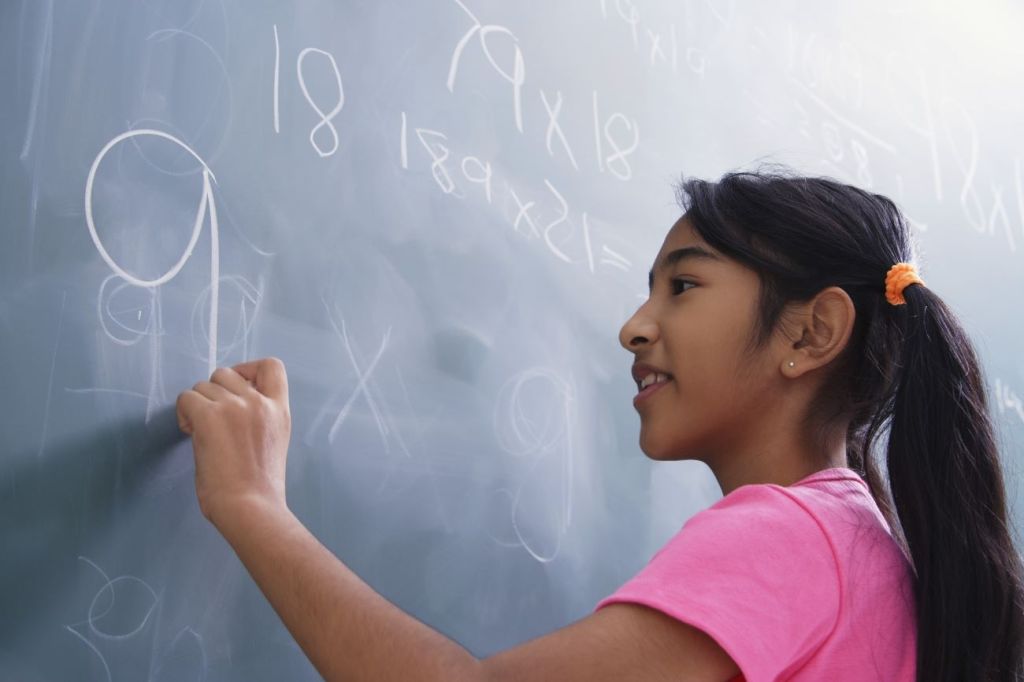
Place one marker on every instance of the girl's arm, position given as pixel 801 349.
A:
pixel 347 630
pixel 240 426
pixel 350 632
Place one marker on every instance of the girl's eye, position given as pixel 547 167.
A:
pixel 677 285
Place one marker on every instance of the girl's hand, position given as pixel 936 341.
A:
pixel 240 425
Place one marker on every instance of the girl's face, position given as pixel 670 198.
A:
pixel 693 331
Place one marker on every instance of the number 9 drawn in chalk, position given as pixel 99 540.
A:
pixel 206 205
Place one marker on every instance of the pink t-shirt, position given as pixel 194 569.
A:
pixel 801 582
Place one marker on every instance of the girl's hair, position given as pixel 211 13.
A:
pixel 908 369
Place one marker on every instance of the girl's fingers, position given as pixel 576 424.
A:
pixel 189 403
pixel 212 391
pixel 268 375
pixel 231 380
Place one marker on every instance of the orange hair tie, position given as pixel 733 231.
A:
pixel 900 276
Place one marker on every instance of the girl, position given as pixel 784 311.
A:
pixel 784 332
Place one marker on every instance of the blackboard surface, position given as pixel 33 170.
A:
pixel 438 215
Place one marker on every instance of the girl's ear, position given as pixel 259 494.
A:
pixel 823 327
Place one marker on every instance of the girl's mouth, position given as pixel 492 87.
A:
pixel 651 387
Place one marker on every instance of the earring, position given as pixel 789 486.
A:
pixel 792 364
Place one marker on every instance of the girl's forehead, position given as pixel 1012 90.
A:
pixel 681 234
pixel 682 244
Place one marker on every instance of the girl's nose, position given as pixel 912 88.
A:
pixel 638 330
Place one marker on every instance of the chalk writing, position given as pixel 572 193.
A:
pixel 521 212
pixel 207 205
pixel 515 78
pixel 534 418
pixel 326 121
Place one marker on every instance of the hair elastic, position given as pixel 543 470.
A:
pixel 899 277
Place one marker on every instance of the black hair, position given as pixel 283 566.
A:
pixel 909 370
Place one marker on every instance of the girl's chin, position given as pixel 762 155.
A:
pixel 668 443
pixel 658 451
pixel 667 456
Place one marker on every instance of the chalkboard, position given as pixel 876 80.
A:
pixel 438 214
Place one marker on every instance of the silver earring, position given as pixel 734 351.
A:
pixel 792 364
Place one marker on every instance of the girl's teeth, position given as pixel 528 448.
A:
pixel 652 378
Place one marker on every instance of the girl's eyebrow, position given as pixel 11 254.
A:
pixel 673 257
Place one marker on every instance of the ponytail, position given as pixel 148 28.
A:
pixel 947 489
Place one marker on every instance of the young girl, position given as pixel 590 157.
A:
pixel 784 332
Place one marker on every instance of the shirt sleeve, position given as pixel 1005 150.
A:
pixel 756 572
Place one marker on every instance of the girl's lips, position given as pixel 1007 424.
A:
pixel 646 393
